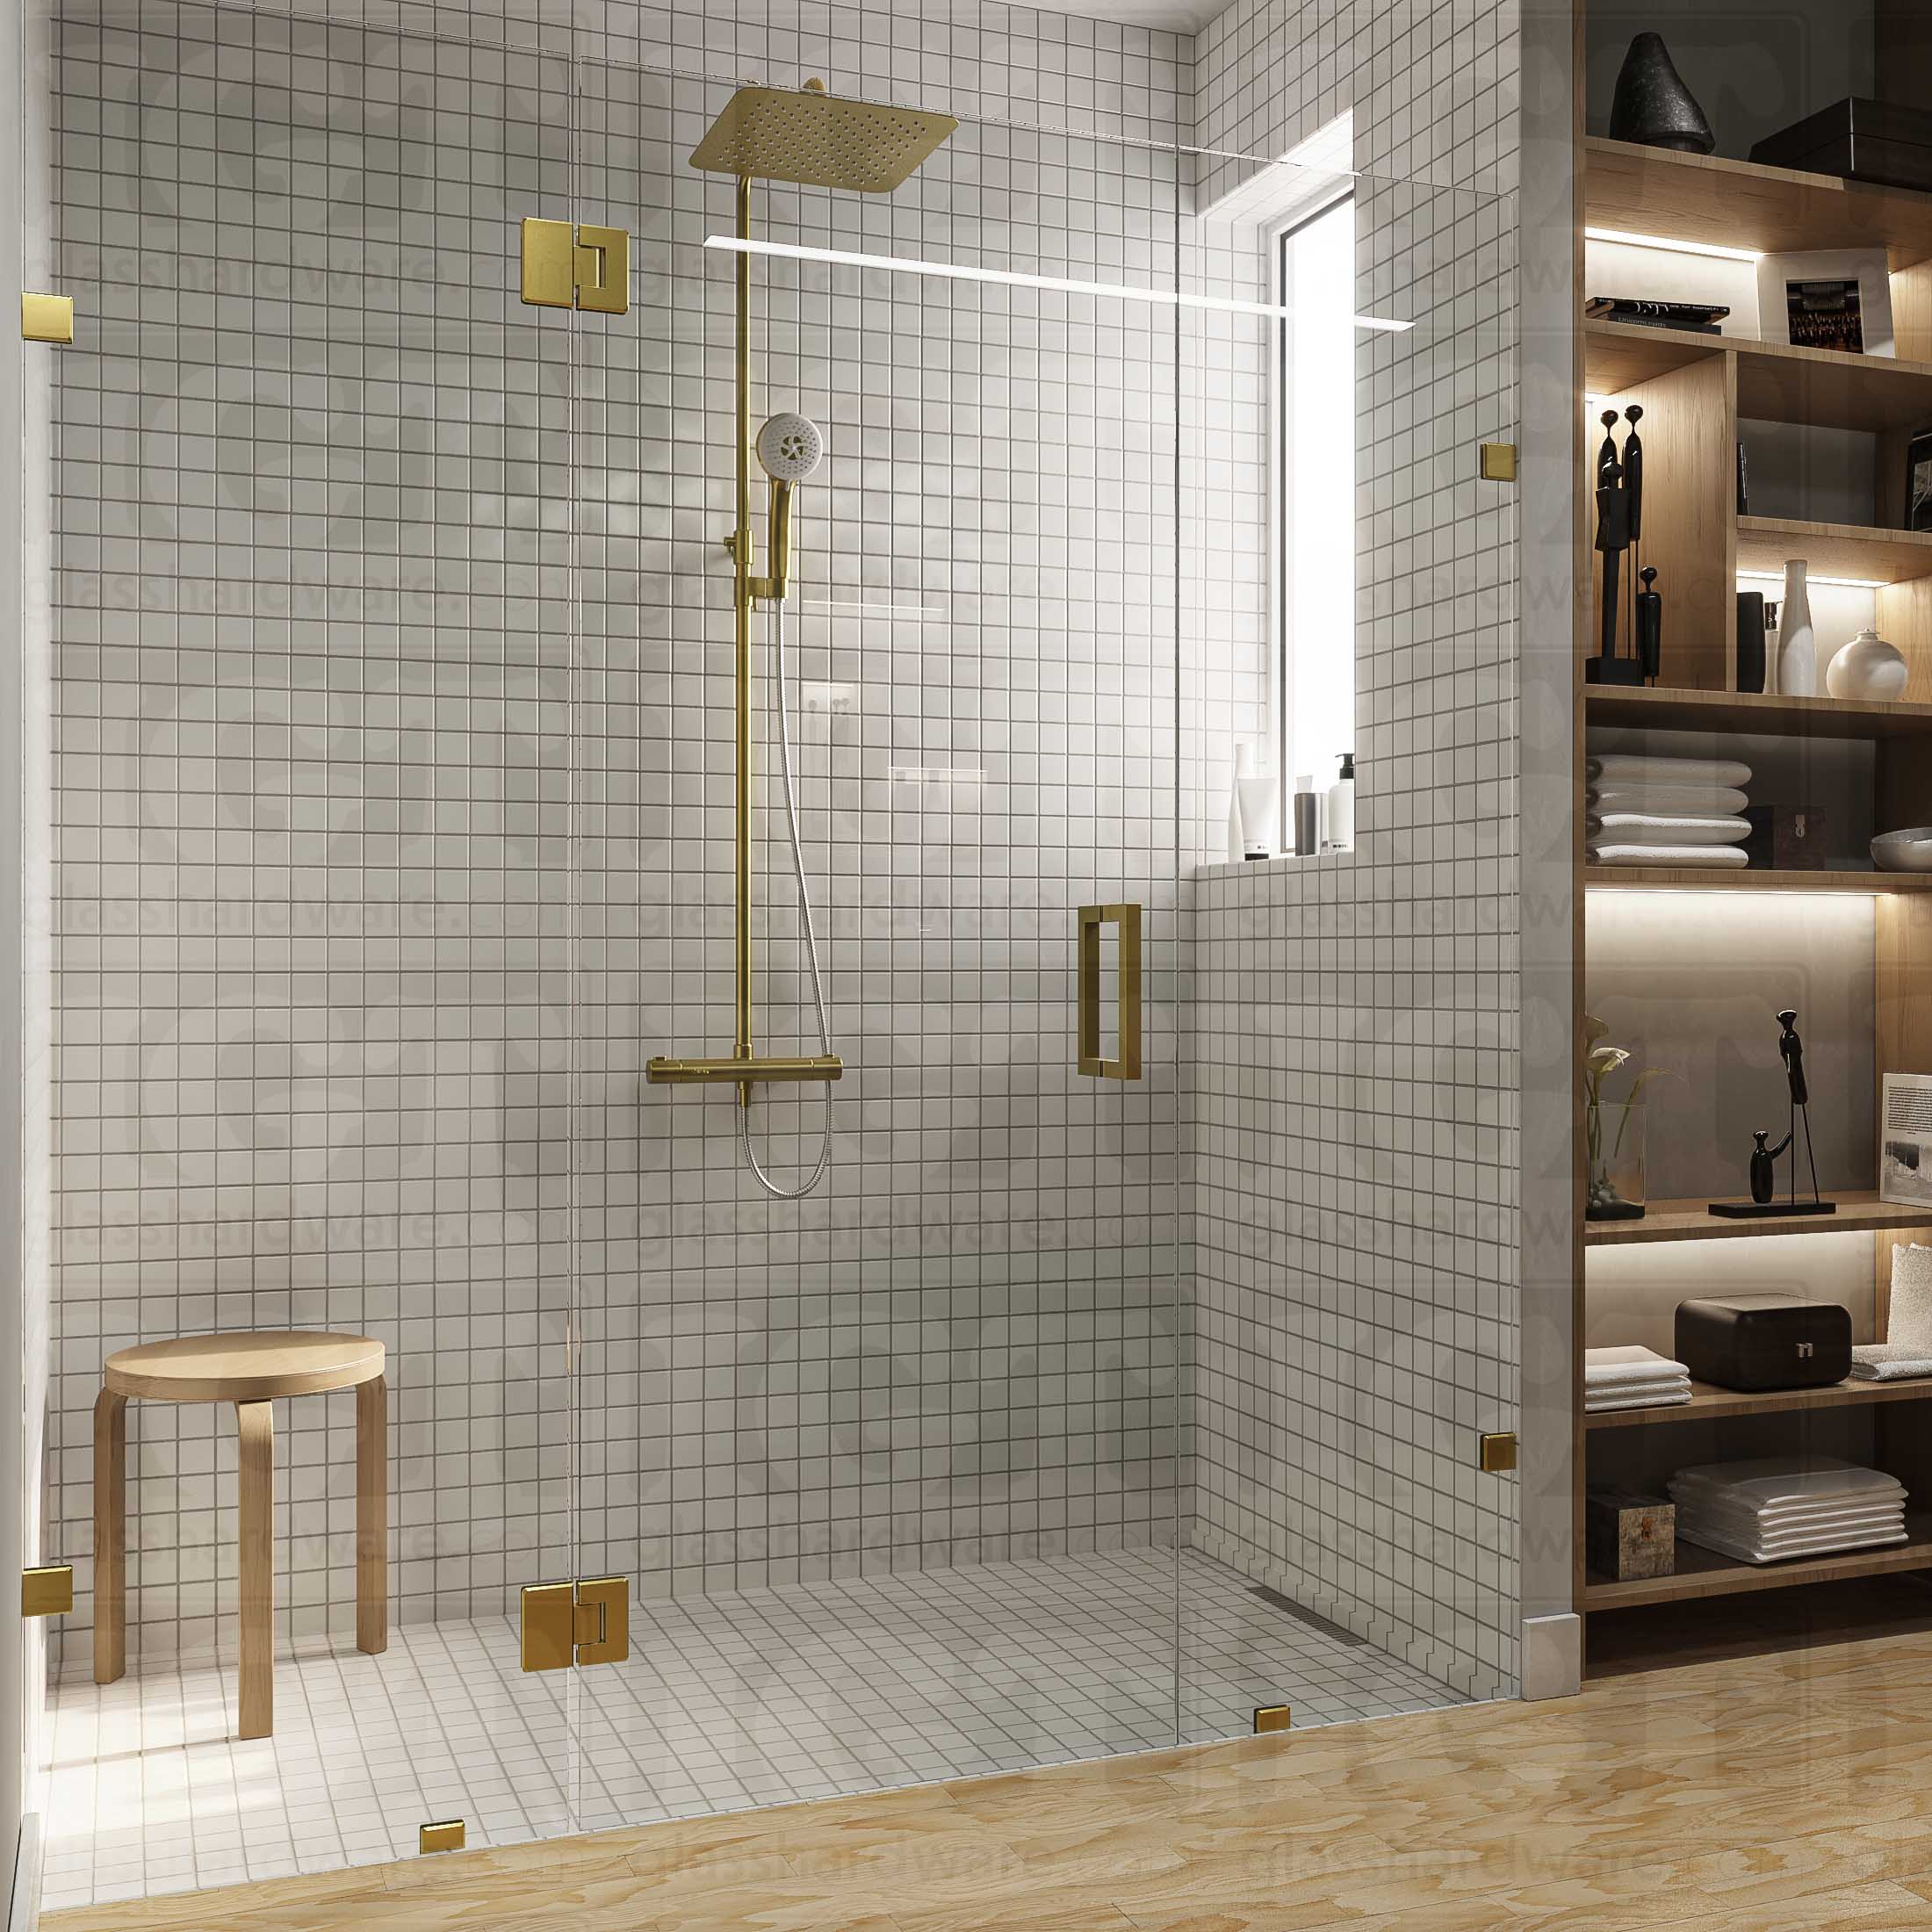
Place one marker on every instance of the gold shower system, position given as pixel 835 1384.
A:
pixel 812 140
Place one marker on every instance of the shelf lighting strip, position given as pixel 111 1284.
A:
pixel 1833 583
pixel 1671 245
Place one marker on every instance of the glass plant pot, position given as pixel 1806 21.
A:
pixel 1616 1141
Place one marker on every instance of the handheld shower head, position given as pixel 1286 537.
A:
pixel 791 447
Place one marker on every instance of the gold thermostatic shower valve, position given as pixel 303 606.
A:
pixel 567 265
pixel 585 1622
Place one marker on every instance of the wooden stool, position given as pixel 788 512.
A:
pixel 249 1371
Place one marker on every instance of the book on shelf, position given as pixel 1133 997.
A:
pixel 1697 318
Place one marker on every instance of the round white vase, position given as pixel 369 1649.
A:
pixel 1868 667
pixel 1797 648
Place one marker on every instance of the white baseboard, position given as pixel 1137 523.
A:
pixel 1552 1657
pixel 24 1908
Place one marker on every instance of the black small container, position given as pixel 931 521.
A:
pixel 1750 640
pixel 1764 1341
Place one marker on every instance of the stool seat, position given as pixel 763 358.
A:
pixel 244 1367
pixel 252 1371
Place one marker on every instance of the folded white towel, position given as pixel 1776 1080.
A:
pixel 1748 1550
pixel 1604 1366
pixel 1787 1478
pixel 1667 828
pixel 1890 1362
pixel 1909 1323
pixel 1771 1534
pixel 1794 1516
pixel 1709 799
pixel 1627 768
pixel 1703 858
pixel 1662 1397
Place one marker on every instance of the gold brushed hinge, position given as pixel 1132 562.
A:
pixel 568 264
pixel 585 1622
pixel 46 319
pixel 47 1591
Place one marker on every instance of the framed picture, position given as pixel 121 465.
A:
pixel 1918 481
pixel 1834 299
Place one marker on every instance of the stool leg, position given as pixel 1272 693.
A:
pixel 255 1423
pixel 110 1536
pixel 372 1515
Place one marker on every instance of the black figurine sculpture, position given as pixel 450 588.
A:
pixel 1620 522
pixel 1764 1159
pixel 1652 105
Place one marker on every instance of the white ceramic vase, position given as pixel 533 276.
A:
pixel 1868 667
pixel 1797 647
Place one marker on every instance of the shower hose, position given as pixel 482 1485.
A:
pixel 817 1171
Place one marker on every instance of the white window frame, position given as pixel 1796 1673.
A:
pixel 1277 235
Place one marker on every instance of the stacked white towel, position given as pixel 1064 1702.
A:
pixel 1668 812
pixel 1906 1353
pixel 1890 1362
pixel 1785 1506
pixel 1632 1378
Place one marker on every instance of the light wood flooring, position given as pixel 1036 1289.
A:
pixel 1786 1793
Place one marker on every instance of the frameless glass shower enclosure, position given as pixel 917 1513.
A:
pixel 603 633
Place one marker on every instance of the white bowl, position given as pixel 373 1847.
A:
pixel 1909 851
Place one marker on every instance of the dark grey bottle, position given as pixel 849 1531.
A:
pixel 1653 106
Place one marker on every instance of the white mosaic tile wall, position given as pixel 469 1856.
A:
pixel 385 863
pixel 1353 1051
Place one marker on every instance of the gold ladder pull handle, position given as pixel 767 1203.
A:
pixel 1127 919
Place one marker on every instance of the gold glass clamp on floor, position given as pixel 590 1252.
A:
pixel 672 1071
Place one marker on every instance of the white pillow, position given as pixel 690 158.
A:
pixel 1910 1321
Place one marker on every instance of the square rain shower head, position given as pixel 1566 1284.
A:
pixel 818 140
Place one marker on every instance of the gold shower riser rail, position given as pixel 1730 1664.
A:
pixel 668 1071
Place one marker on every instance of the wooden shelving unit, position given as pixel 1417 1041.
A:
pixel 1710 1573
pixel 1639 878
pixel 1693 1220
pixel 1711 1404
pixel 1696 390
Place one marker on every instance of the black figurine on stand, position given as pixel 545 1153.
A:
pixel 1619 531
pixel 1791 1050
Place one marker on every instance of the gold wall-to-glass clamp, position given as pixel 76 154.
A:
pixel 588 1621
pixel 442 1834
pixel 573 266
pixel 683 1071
pixel 1127 1064
pixel 47 319
pixel 47 1590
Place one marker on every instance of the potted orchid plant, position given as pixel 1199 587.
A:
pixel 1614 1130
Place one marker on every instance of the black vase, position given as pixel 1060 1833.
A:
pixel 1653 106
pixel 1750 640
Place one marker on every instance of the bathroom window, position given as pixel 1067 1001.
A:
pixel 1314 270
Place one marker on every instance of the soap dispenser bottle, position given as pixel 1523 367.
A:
pixel 1341 808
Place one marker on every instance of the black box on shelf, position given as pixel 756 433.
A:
pixel 1863 141
pixel 1764 1342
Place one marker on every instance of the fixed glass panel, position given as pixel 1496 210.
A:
pixel 893 1464
pixel 1351 1302
pixel 313 615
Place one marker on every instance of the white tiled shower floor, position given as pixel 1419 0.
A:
pixel 806 1691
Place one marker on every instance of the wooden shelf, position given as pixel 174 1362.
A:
pixel 1644 878
pixel 1709 1403
pixel 1833 550
pixel 1743 205
pixel 1858 1212
pixel 1776 383
pixel 1710 1573
pixel 1751 713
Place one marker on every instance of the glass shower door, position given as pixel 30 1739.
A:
pixel 311 614
pixel 893 1464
